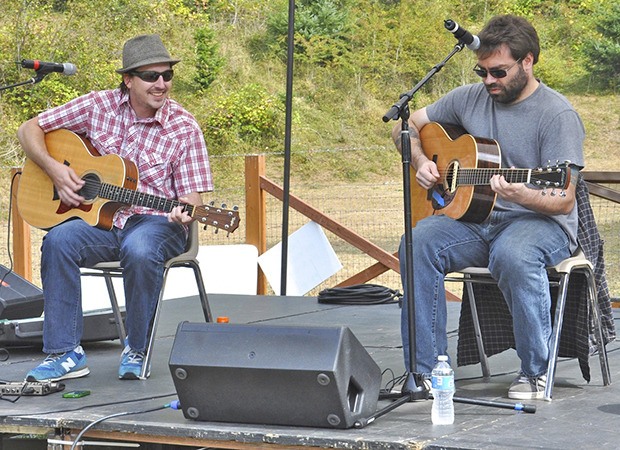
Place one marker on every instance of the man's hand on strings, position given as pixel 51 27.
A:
pixel 427 174
pixel 68 184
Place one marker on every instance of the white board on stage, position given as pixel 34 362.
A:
pixel 311 260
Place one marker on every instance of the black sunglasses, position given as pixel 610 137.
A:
pixel 150 76
pixel 495 73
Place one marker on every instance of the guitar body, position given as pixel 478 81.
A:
pixel 37 199
pixel 452 148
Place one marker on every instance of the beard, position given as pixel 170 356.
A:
pixel 511 91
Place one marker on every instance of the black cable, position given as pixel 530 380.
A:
pixel 360 294
pixel 8 249
pixel 393 382
pixel 173 405
pixel 96 405
pixel 8 233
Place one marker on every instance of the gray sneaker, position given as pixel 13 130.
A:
pixel 528 388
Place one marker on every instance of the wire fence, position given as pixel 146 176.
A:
pixel 371 208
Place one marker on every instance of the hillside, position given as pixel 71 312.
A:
pixel 353 58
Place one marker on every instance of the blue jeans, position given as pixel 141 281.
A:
pixel 142 246
pixel 516 248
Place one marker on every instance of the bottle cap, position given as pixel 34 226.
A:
pixel 442 358
pixel 222 319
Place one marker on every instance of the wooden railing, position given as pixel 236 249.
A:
pixel 257 186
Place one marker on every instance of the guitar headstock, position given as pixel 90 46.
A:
pixel 555 176
pixel 218 217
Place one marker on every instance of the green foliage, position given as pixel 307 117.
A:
pixel 249 116
pixel 603 50
pixel 88 33
pixel 208 60
pixel 353 58
pixel 322 31
pixel 231 11
pixel 30 103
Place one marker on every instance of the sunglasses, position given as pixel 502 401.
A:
pixel 495 73
pixel 150 76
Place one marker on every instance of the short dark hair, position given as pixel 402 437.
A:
pixel 515 32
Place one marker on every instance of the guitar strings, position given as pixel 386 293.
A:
pixel 549 177
pixel 483 175
pixel 94 188
pixel 129 196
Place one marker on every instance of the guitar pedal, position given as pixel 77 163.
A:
pixel 30 388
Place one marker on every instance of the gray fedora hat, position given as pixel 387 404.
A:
pixel 144 50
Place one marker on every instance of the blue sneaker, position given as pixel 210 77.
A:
pixel 131 365
pixel 61 366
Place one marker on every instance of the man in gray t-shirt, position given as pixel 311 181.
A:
pixel 527 230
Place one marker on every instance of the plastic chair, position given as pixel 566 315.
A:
pixel 559 275
pixel 112 269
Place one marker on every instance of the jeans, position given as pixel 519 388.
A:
pixel 515 247
pixel 142 246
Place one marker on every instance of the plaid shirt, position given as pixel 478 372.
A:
pixel 169 149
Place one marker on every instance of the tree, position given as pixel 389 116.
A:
pixel 603 51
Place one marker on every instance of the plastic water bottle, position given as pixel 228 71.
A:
pixel 442 412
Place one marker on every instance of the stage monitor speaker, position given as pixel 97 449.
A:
pixel 284 375
pixel 19 299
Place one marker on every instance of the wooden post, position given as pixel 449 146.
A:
pixel 256 211
pixel 22 244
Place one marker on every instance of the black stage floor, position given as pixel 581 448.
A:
pixel 581 415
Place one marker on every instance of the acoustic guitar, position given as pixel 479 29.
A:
pixel 466 165
pixel 110 184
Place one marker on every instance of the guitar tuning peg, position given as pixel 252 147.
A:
pixel 553 193
pixel 544 191
pixel 562 193
pixel 223 205
pixel 235 208
pixel 211 203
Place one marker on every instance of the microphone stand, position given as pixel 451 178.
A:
pixel 33 80
pixel 413 387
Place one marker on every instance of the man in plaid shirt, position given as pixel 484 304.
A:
pixel 139 122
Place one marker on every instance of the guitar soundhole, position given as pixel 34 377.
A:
pixel 90 190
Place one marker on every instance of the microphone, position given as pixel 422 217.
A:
pixel 47 67
pixel 470 40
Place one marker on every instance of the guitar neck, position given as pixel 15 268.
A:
pixel 131 197
pixel 482 176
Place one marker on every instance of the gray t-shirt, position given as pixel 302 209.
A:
pixel 542 128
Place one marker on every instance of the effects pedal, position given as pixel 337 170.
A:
pixel 30 388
